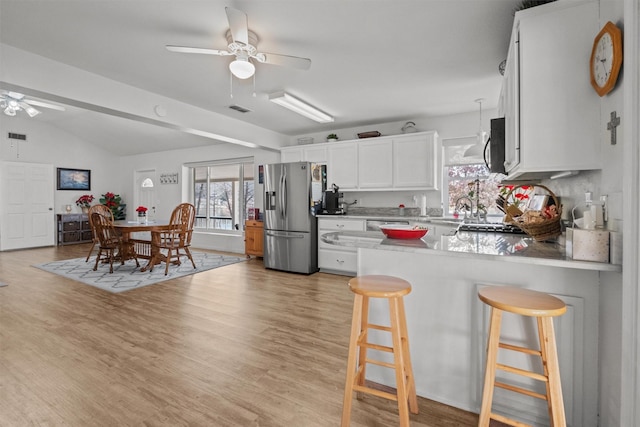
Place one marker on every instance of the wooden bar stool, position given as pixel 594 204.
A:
pixel 530 303
pixel 393 289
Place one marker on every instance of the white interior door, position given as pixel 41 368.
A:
pixel 26 213
pixel 146 183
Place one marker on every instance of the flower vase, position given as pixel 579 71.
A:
pixel 85 209
pixel 142 217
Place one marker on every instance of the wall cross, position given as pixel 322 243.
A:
pixel 612 125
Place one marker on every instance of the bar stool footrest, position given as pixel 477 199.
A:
pixel 373 391
pixel 508 421
pixel 520 390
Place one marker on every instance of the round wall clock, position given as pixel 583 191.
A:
pixel 606 58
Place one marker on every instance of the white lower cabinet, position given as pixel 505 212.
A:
pixel 338 259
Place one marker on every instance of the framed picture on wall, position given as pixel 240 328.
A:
pixel 74 179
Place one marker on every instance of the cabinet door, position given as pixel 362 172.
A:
pixel 342 166
pixel 511 110
pixel 315 154
pixel 415 161
pixel 375 165
pixel 293 154
pixel 559 110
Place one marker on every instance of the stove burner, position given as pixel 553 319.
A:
pixel 491 228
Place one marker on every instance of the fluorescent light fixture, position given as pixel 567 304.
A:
pixel 300 107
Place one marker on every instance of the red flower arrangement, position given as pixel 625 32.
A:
pixel 141 209
pixel 84 201
pixel 520 196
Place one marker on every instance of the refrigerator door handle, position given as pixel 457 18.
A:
pixel 281 197
pixel 286 236
pixel 284 196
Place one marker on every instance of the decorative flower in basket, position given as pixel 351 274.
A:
pixel 141 210
pixel 84 201
pixel 540 222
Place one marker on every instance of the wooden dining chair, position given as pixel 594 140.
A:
pixel 109 240
pixel 178 235
pixel 104 211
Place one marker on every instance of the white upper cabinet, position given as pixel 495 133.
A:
pixel 415 162
pixel 384 163
pixel 310 153
pixel 291 154
pixel 375 163
pixel 342 165
pixel 552 114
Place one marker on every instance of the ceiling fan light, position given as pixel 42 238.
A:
pixel 242 68
pixel 9 111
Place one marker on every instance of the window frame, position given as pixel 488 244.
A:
pixel 242 164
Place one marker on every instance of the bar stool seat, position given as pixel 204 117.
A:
pixel 393 289
pixel 544 308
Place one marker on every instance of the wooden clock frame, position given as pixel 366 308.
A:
pixel 616 38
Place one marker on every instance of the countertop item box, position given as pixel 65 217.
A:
pixel 588 245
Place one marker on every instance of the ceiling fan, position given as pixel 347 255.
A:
pixel 242 44
pixel 12 102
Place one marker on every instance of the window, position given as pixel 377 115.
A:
pixel 223 193
pixel 461 182
pixel 460 175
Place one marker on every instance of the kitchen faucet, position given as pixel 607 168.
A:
pixel 471 201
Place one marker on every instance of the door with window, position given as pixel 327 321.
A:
pixel 146 192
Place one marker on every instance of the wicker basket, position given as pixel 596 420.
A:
pixel 541 230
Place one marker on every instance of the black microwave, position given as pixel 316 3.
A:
pixel 495 146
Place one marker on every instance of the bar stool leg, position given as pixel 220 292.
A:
pixel 490 371
pixel 550 356
pixel 351 361
pixel 411 384
pixel 399 362
pixel 363 335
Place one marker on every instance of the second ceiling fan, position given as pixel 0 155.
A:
pixel 242 44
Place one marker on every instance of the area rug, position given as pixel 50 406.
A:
pixel 127 277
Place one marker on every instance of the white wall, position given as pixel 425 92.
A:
pixel 48 144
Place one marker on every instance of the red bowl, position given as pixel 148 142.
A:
pixel 401 231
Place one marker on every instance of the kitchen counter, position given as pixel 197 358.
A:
pixel 477 245
pixel 448 324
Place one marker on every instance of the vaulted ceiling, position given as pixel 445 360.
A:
pixel 373 61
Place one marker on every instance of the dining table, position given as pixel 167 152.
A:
pixel 148 249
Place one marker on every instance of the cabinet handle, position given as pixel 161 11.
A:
pixel 340 261
pixel 340 225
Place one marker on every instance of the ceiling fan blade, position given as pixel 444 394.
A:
pixel 238 24
pixel 32 112
pixel 44 105
pixel 186 49
pixel 15 95
pixel 284 60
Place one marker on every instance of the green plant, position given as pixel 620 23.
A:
pixel 332 136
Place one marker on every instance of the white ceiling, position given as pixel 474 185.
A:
pixel 373 61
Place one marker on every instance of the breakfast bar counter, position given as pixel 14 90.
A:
pixel 490 246
pixel 448 324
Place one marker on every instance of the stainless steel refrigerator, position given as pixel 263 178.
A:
pixel 290 228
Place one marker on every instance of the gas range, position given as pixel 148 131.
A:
pixel 490 228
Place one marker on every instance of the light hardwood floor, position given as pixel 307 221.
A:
pixel 234 346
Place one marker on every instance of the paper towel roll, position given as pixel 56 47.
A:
pixel 423 205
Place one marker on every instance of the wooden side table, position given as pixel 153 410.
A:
pixel 254 238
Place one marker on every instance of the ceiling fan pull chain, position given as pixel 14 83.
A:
pixel 231 85
pixel 254 85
